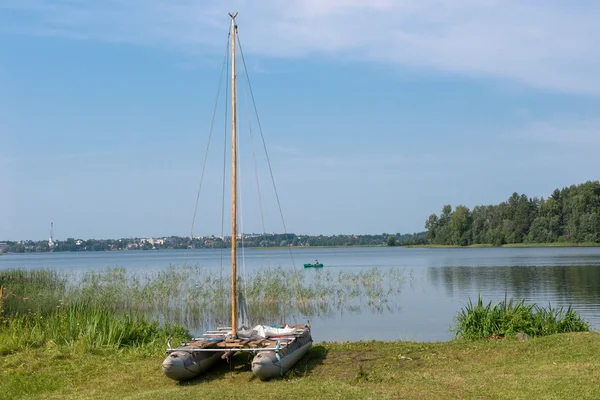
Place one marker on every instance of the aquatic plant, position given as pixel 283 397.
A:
pixel 200 298
pixel 83 326
pixel 508 317
pixel 31 290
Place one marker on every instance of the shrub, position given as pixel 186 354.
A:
pixel 477 321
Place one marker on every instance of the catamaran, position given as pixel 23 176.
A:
pixel 276 348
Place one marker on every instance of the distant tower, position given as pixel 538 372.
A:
pixel 51 241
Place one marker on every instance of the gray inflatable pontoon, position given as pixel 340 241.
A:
pixel 184 365
pixel 272 363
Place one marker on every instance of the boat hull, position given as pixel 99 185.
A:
pixel 184 365
pixel 313 265
pixel 265 364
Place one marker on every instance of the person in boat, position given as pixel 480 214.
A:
pixel 316 262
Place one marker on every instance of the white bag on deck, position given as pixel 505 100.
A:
pixel 268 331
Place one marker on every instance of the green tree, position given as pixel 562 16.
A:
pixel 571 214
pixel 460 226
pixel 431 225
pixel 391 241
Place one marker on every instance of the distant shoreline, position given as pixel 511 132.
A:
pixel 313 247
pixel 510 245
pixel 306 248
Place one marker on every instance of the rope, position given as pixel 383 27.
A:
pixel 239 155
pixel 206 152
pixel 222 289
pixel 279 358
pixel 265 148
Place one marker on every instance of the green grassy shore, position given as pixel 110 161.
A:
pixel 553 367
pixel 443 246
pixel 294 248
pixel 57 342
pixel 476 246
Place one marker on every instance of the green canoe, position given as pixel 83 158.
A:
pixel 313 265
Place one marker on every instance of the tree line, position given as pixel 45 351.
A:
pixel 179 242
pixel 571 215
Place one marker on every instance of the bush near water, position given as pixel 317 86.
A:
pixel 509 317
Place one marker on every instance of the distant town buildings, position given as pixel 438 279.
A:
pixel 153 242
pixel 212 241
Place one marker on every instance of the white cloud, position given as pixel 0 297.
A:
pixel 551 45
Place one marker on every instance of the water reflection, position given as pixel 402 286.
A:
pixel 413 293
pixel 575 285
pixel 578 282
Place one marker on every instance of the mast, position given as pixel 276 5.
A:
pixel 233 182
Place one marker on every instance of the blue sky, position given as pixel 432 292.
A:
pixel 376 113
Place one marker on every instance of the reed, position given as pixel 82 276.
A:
pixel 31 290
pixel 199 298
pixel 82 326
pixel 509 317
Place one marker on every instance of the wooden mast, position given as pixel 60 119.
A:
pixel 233 183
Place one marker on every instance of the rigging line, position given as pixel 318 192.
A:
pixel 262 217
pixel 212 123
pixel 240 191
pixel 222 289
pixel 265 147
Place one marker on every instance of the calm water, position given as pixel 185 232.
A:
pixel 438 281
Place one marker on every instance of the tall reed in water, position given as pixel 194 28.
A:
pixel 199 298
pixel 80 325
pixel 26 290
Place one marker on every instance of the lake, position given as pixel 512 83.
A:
pixel 436 282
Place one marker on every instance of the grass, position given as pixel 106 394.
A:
pixel 485 245
pixel 84 327
pixel 316 247
pixel 507 318
pixel 557 366
pixel 447 246
pixel 25 290
pixel 554 244
pixel 95 343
